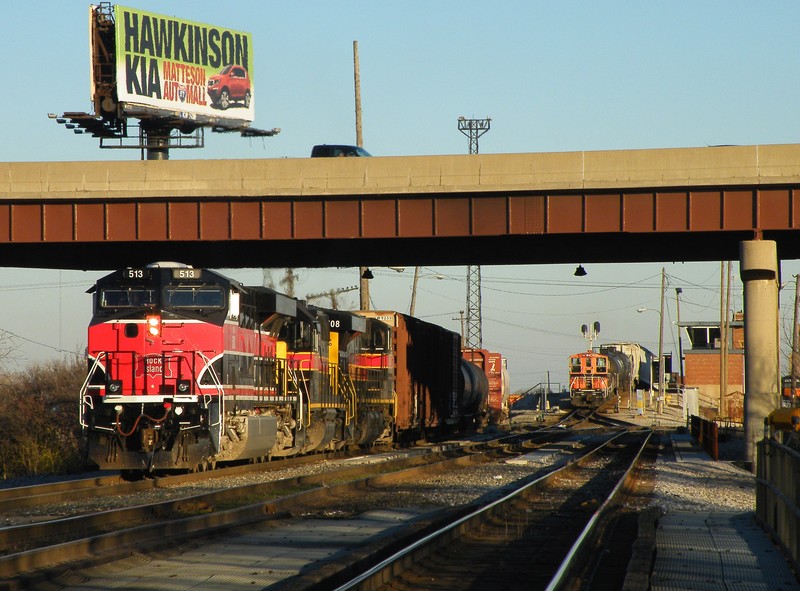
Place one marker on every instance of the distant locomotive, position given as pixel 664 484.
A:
pixel 598 377
pixel 188 368
pixel 790 396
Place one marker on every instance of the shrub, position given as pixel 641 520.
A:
pixel 39 427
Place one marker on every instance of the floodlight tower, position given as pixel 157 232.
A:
pixel 473 129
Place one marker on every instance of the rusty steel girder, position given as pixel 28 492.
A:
pixel 650 205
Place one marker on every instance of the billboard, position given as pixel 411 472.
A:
pixel 186 69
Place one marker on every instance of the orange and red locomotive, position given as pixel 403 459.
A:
pixel 597 377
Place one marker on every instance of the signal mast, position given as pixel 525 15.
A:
pixel 590 333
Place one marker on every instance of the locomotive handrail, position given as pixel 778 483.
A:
pixel 291 373
pixel 220 390
pixel 85 387
pixel 348 392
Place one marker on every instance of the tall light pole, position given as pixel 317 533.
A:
pixel 473 129
pixel 414 292
pixel 660 355
pixel 660 344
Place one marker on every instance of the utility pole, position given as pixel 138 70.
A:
pixel 357 84
pixel 363 281
pixel 414 292
pixel 724 304
pixel 473 129
pixel 795 358
pixel 661 387
pixel 678 292
pixel 461 317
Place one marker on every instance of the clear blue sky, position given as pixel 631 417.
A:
pixel 553 76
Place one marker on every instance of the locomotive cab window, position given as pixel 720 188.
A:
pixel 135 297
pixel 601 364
pixel 575 365
pixel 379 340
pixel 196 298
pixel 300 336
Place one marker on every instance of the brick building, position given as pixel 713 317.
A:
pixel 702 366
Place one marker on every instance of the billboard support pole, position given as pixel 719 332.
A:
pixel 156 142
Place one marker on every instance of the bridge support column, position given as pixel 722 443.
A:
pixel 759 273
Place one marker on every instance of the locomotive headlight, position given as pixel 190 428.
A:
pixel 184 386
pixel 179 410
pixel 154 325
pixel 114 386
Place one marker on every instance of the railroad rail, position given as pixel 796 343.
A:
pixel 33 550
pixel 538 532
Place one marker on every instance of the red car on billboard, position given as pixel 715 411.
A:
pixel 232 84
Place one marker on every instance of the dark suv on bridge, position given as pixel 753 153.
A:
pixel 326 151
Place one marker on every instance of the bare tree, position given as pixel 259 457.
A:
pixel 266 279
pixel 289 281
pixel 332 294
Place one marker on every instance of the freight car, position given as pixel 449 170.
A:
pixel 600 377
pixel 188 368
pixel 436 389
pixel 495 367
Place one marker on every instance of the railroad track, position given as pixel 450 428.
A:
pixel 98 486
pixel 32 550
pixel 539 536
pixel 27 497
pixel 40 550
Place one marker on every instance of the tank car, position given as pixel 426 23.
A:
pixel 495 367
pixel 434 391
pixel 640 360
pixel 188 368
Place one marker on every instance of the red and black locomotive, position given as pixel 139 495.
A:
pixel 188 368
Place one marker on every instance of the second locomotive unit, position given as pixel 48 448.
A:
pixel 188 368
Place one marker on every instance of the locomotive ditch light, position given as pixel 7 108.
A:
pixel 184 386
pixel 114 386
pixel 154 325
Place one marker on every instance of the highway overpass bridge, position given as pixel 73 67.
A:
pixel 716 203
pixel 578 207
